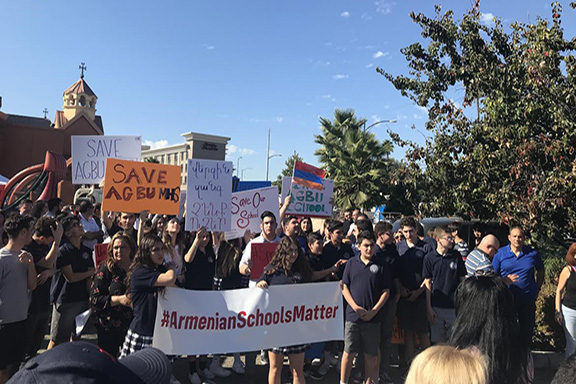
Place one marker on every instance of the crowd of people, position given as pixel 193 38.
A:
pixel 465 313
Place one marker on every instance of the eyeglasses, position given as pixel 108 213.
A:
pixel 448 238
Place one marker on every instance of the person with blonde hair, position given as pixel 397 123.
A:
pixel 444 364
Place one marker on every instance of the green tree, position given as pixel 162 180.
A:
pixel 508 152
pixel 288 169
pixel 151 160
pixel 354 159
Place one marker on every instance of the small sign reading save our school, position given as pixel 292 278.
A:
pixel 134 186
pixel 308 201
pixel 89 154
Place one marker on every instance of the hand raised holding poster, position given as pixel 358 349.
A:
pixel 247 206
pixel 132 186
pixel 89 154
pixel 209 195
pixel 307 201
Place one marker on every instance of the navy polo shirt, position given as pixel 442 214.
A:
pixel 80 260
pixel 144 299
pixel 445 272
pixel 506 263
pixel 409 266
pixel 366 283
pixel 387 258
pixel 331 254
pixel 199 274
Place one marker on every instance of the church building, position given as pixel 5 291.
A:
pixel 24 140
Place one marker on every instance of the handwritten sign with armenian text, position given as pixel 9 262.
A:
pixel 247 206
pixel 134 186
pixel 308 201
pixel 208 195
pixel 89 154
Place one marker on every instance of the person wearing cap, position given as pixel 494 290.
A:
pixel 82 363
pixel 17 276
pixel 70 286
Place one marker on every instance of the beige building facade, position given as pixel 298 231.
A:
pixel 196 146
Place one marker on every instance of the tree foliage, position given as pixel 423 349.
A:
pixel 354 159
pixel 151 160
pixel 508 151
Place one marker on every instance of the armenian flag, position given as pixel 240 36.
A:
pixel 307 175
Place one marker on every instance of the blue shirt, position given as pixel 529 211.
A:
pixel 408 268
pixel 506 263
pixel 445 272
pixel 366 283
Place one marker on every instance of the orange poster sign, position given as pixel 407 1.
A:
pixel 134 186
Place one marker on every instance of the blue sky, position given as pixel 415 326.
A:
pixel 231 68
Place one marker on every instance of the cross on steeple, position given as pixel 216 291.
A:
pixel 82 67
pixel 45 111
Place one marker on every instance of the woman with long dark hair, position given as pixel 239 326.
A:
pixel 306 226
pixel 486 318
pixel 148 276
pixel 289 266
pixel 109 294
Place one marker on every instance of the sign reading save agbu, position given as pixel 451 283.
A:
pixel 89 154
pixel 134 186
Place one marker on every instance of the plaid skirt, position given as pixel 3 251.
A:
pixel 291 350
pixel 134 342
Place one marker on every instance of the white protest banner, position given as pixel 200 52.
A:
pixel 209 192
pixel 250 319
pixel 89 154
pixel 307 201
pixel 247 206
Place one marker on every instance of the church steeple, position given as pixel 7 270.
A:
pixel 80 98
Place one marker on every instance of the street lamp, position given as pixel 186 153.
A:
pixel 376 123
pixel 242 173
pixel 238 165
pixel 268 162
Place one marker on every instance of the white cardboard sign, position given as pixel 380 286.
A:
pixel 247 206
pixel 208 195
pixel 307 201
pixel 89 154
pixel 250 319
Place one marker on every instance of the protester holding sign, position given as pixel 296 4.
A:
pixel 227 276
pixel 109 294
pixel 199 276
pixel 173 237
pixel 70 286
pixel 125 223
pixel 289 266
pixel 148 275
pixel 268 226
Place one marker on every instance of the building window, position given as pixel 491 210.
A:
pixel 162 159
